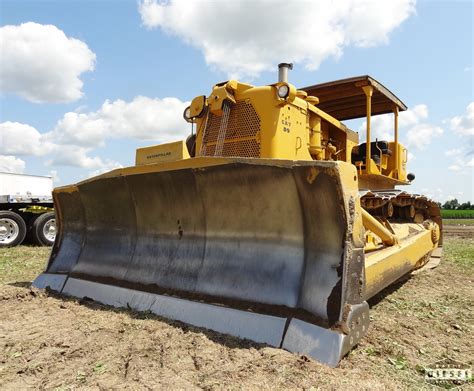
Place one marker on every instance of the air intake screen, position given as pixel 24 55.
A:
pixel 235 133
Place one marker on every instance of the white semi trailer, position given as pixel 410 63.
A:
pixel 26 210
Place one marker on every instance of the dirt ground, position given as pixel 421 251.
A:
pixel 459 231
pixel 49 342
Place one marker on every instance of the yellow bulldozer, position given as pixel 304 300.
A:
pixel 271 222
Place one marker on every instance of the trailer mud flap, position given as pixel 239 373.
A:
pixel 239 247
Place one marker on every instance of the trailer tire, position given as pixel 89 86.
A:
pixel 43 229
pixel 12 229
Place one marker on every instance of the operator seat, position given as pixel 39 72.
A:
pixel 375 147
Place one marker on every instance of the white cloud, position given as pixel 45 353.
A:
pixel 40 63
pixel 464 124
pixel 463 127
pixel 143 118
pixel 74 156
pixel 76 135
pixel 413 116
pixel 11 164
pixel 244 38
pixel 421 135
pixel 22 139
pixel 413 127
pixel 454 152
pixel 462 164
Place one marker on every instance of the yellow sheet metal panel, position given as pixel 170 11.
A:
pixel 385 266
pixel 169 152
pixel 248 121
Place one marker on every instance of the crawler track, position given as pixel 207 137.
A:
pixel 400 206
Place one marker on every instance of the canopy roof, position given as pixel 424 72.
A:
pixel 345 99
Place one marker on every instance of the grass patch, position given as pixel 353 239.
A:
pixel 458 221
pixel 457 214
pixel 460 252
pixel 22 263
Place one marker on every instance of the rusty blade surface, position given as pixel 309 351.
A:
pixel 245 235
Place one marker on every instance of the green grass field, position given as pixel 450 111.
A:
pixel 22 263
pixel 461 252
pixel 457 214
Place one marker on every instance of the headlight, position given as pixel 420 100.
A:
pixel 187 114
pixel 283 91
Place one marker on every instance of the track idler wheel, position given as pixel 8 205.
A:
pixel 407 212
pixel 388 210
pixel 435 230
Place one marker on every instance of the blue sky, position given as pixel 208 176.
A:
pixel 422 51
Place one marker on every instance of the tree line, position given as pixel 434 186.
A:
pixel 454 204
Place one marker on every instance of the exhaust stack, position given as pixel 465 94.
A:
pixel 283 71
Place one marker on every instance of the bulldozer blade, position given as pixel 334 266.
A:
pixel 268 250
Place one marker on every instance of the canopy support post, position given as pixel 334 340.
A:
pixel 368 90
pixel 395 125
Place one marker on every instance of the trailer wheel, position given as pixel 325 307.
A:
pixel 12 229
pixel 43 229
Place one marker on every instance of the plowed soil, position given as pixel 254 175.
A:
pixel 50 342
pixel 459 231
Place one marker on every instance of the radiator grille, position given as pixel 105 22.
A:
pixel 235 133
pixel 244 148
